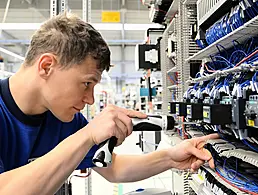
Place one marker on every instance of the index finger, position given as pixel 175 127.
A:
pixel 133 113
pixel 207 137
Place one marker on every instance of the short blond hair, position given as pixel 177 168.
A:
pixel 71 40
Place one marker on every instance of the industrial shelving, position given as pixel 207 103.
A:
pixel 181 15
pixel 187 53
pixel 172 10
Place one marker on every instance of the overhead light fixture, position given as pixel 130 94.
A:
pixel 98 26
pixel 11 54
pixel 19 26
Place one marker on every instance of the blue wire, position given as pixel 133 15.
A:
pixel 250 146
pixel 254 78
pixel 232 55
pixel 229 64
pixel 174 81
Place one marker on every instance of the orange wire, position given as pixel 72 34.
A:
pixel 209 69
pixel 246 58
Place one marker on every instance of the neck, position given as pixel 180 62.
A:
pixel 25 93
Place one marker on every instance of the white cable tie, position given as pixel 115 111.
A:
pixel 252 86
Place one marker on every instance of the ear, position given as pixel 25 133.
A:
pixel 46 65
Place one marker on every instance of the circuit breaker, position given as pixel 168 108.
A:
pixel 195 111
pixel 217 114
pixel 252 111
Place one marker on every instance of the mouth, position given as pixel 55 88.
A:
pixel 78 110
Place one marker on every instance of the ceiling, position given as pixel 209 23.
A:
pixel 37 11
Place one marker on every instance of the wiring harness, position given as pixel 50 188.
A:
pixel 237 17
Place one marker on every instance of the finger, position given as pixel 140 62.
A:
pixel 207 137
pixel 133 113
pixel 210 161
pixel 127 121
pixel 201 154
pixel 136 114
pixel 121 131
pixel 121 127
pixel 197 164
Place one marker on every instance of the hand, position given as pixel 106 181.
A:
pixel 112 121
pixel 191 154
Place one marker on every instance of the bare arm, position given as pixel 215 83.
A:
pixel 131 168
pixel 46 174
pixel 189 154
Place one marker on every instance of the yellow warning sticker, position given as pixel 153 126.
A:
pixel 251 123
pixel 205 114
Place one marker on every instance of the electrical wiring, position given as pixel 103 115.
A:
pixel 237 17
pixel 233 54
pixel 253 83
pixel 224 59
pixel 246 58
pixel 172 80
pixel 81 176
pixel 232 174
pixel 244 190
pixel 250 146
pixel 238 180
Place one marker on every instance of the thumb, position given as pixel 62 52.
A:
pixel 200 153
pixel 136 114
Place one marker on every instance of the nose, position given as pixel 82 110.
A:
pixel 89 97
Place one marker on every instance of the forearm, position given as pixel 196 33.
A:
pixel 132 168
pixel 46 174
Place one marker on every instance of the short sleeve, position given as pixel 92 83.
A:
pixel 1 166
pixel 87 161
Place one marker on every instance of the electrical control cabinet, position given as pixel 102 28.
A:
pixel 222 90
pixel 252 111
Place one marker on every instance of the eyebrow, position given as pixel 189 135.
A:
pixel 93 78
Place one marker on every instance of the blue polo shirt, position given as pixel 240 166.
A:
pixel 24 138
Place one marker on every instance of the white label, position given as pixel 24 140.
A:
pixel 252 86
pixel 256 86
pixel 151 56
pixel 239 92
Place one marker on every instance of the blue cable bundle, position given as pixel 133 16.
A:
pixel 233 176
pixel 226 24
pixel 250 7
pixel 238 16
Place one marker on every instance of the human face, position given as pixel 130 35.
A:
pixel 67 91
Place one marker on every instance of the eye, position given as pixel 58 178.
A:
pixel 87 84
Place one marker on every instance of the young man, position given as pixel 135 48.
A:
pixel 40 116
